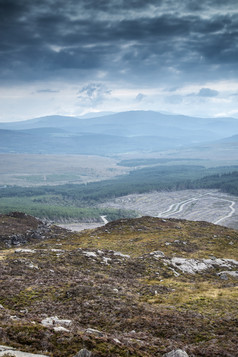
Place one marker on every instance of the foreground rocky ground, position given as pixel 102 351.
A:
pixel 134 287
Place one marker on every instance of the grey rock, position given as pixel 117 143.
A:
pixel 83 353
pixel 55 321
pixel 13 352
pixel 94 332
pixel 176 353
pixel 224 274
pixel 157 254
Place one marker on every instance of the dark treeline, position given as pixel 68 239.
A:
pixel 153 161
pixel 226 182
pixel 160 178
pixel 137 181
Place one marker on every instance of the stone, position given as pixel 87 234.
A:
pixel 192 266
pixel 157 254
pixel 83 353
pixel 116 340
pixel 4 350
pixel 90 254
pixel 55 321
pixel 119 254
pixel 61 329
pixel 94 332
pixel 224 274
pixel 19 250
pixel 176 353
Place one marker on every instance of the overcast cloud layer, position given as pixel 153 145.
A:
pixel 75 56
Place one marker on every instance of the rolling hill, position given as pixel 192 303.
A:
pixel 135 131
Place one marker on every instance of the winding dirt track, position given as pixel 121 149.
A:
pixel 178 207
pixel 229 214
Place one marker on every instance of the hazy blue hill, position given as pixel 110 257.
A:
pixel 52 121
pixel 61 142
pixel 136 123
pixel 231 139
pixel 11 140
pixel 45 131
pixel 140 131
pixel 24 142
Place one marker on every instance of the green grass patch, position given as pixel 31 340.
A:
pixel 44 207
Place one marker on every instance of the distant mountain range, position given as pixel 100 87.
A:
pixel 134 131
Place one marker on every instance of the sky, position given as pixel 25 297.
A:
pixel 78 56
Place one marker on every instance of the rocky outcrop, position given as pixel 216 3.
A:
pixel 17 228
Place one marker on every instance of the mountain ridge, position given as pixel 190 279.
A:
pixel 61 133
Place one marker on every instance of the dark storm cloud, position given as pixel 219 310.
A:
pixel 59 39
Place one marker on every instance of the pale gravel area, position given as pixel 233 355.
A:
pixel 196 205
pixel 77 227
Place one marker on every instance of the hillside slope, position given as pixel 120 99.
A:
pixel 134 287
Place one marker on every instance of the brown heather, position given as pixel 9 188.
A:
pixel 140 305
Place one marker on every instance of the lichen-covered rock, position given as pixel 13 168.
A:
pixel 176 353
pixel 55 321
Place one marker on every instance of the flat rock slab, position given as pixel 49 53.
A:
pixel 12 352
